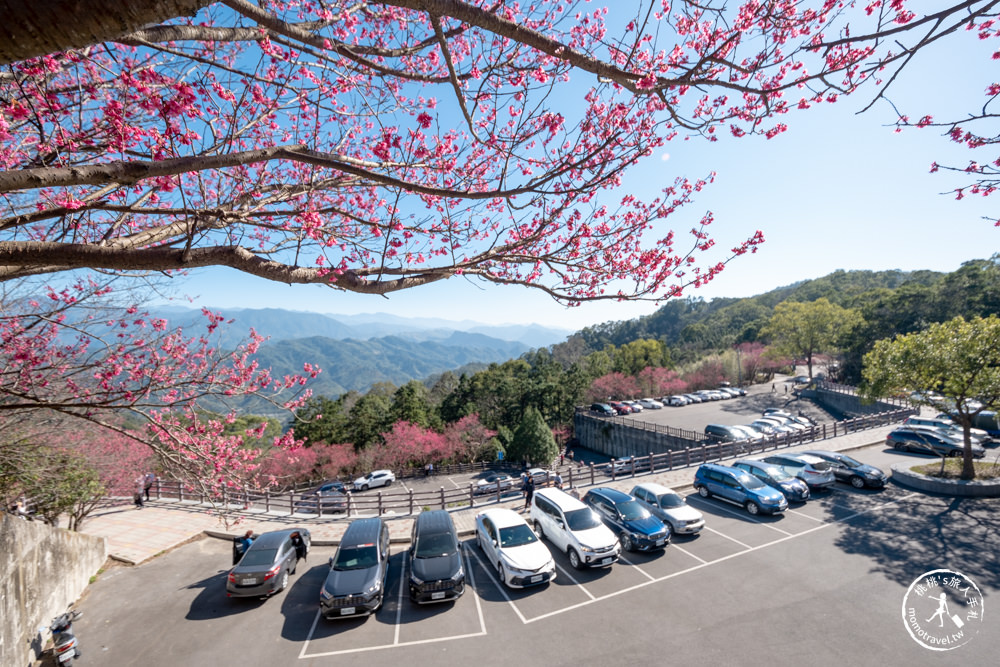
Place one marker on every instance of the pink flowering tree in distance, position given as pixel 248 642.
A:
pixel 375 147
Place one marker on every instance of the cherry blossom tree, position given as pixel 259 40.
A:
pixel 67 353
pixel 378 147
pixel 659 381
pixel 616 385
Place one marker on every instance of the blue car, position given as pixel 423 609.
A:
pixel 795 489
pixel 636 527
pixel 740 487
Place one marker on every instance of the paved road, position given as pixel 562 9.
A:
pixel 823 584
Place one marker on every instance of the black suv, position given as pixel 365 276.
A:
pixel 356 583
pixel 264 568
pixel 636 527
pixel 436 572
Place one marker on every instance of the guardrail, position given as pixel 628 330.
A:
pixel 573 475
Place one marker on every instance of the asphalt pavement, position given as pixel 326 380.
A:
pixel 137 535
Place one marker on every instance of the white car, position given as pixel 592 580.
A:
pixel 574 529
pixel 374 479
pixel 513 549
pixel 650 403
pixel 676 400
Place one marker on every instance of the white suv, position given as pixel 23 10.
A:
pixel 573 528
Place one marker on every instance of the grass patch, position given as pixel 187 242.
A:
pixel 953 469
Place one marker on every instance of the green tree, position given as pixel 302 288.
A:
pixel 633 357
pixel 533 440
pixel 323 419
pixel 959 358
pixel 369 418
pixel 802 330
pixel 411 404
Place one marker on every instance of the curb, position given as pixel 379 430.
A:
pixel 901 474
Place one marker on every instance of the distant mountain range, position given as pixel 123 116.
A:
pixel 357 351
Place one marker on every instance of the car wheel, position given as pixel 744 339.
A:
pixel 753 508
pixel 388 482
pixel 538 529
pixel 900 447
pixel 703 491
pixel 954 453
pixel 364 487
pixel 858 482
pixel 284 581
pixel 574 559
pixel 626 541
pixel 501 574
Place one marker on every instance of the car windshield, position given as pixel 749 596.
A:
pixel 777 474
pixel 257 557
pixel 582 519
pixel 848 461
pixel 631 510
pixel 356 558
pixel 751 482
pixel 435 545
pixel 515 536
pixel 670 501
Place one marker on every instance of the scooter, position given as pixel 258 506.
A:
pixel 64 644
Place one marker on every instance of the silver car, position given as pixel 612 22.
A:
pixel 814 471
pixel 670 508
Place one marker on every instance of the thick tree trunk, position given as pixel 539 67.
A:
pixel 30 28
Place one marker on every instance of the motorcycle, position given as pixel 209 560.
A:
pixel 64 643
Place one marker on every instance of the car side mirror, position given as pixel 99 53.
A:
pixel 494 542
pixel 560 523
pixel 331 562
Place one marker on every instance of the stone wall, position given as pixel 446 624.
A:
pixel 42 571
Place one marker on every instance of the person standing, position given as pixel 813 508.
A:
pixel 147 483
pixel 140 484
pixel 529 491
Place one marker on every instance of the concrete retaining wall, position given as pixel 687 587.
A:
pixel 42 571
pixel 977 488
pixel 618 440
pixel 843 403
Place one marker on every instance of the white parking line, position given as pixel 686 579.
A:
pixel 636 566
pixel 592 600
pixel 500 587
pixel 573 579
pixel 688 553
pixel 731 539
pixel 396 642
pixel 798 513
pixel 717 560
pixel 454 483
pixel 744 515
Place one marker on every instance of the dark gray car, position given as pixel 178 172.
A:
pixel 355 585
pixel 267 563
pixel 436 571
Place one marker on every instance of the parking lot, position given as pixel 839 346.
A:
pixel 824 581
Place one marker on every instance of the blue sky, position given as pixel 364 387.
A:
pixel 836 191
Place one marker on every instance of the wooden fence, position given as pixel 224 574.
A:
pixel 391 501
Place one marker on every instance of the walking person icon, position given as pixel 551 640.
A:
pixel 941 610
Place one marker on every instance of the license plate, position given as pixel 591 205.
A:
pixel 249 581
pixel 67 656
pixel 535 579
pixel 660 543
pixel 437 596
pixel 606 561
pixel 347 611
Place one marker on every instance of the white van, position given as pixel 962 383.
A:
pixel 573 528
